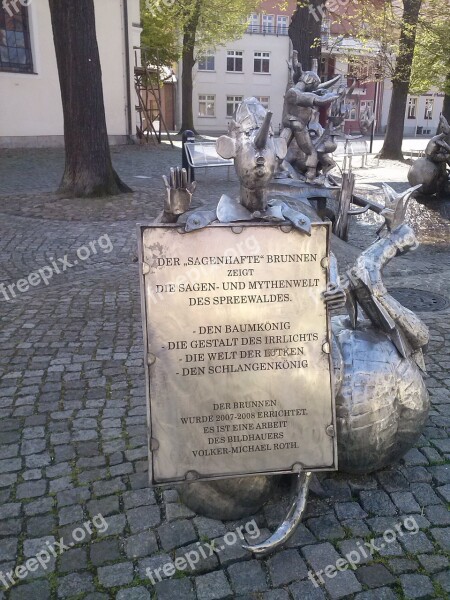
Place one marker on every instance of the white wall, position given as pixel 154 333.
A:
pixel 30 104
pixel 223 84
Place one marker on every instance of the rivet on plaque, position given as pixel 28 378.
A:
pixel 286 228
pixel 181 230
pixel 145 268
pixel 154 444
pixel 326 347
pixel 151 358
pixel 297 467
pixel 237 229
pixel 191 476
pixel 324 262
pixel 330 430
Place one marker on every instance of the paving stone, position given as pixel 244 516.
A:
pixel 75 584
pixel 355 551
pixel 73 560
pixel 440 473
pixel 229 552
pixel 415 457
pixel 444 492
pixel 301 537
pixel 213 586
pixel 443 580
pixel 136 593
pixel 417 586
pixel 209 528
pixel 37 590
pixel 383 593
pixel 337 583
pixel 178 511
pixel 377 502
pixel 103 506
pixel 275 595
pixel 41 525
pixel 10 510
pixel 104 552
pixel 356 528
pixel 326 527
pixel 70 514
pixel 306 590
pixel 37 507
pixel 438 514
pixel 374 576
pixel 137 498
pixel 403 565
pixel 349 510
pixel 31 489
pixel 285 567
pixel 141 544
pixel 433 563
pixel 8 549
pixel 247 577
pixel 105 488
pixel 442 536
pixel 74 496
pixel 115 575
pixel 424 494
pixel 144 517
pixel 176 534
pixel 196 558
pixel 392 480
pixel 416 543
pixel 155 568
pixel 405 502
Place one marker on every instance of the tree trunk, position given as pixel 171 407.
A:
pixel 305 32
pixel 188 62
pixel 88 170
pixel 392 145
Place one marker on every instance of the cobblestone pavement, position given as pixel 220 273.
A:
pixel 73 431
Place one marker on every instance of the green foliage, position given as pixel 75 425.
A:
pixel 431 64
pixel 208 23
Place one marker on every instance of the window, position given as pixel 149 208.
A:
pixel 206 105
pixel 282 25
pixel 412 108
pixel 366 105
pixel 253 23
pixel 234 60
pixel 15 48
pixel 206 63
pixel 264 101
pixel 268 22
pixel 351 110
pixel 261 62
pixel 232 104
pixel 429 103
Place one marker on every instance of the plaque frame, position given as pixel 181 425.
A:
pixel 190 476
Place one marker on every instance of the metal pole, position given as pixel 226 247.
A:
pixel 375 107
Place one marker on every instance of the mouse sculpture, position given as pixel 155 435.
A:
pixel 381 400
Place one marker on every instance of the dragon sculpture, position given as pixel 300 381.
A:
pixel 381 399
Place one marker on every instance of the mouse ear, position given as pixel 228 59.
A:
pixel 226 146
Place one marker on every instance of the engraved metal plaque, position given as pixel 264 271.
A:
pixel 238 350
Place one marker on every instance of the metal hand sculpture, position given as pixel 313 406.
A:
pixel 179 193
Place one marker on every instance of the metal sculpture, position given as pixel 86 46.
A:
pixel 430 171
pixel 382 402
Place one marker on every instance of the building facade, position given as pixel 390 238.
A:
pixel 255 65
pixel 30 100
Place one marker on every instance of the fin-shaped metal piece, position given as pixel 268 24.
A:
pixel 229 210
pixel 298 219
pixel 200 219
